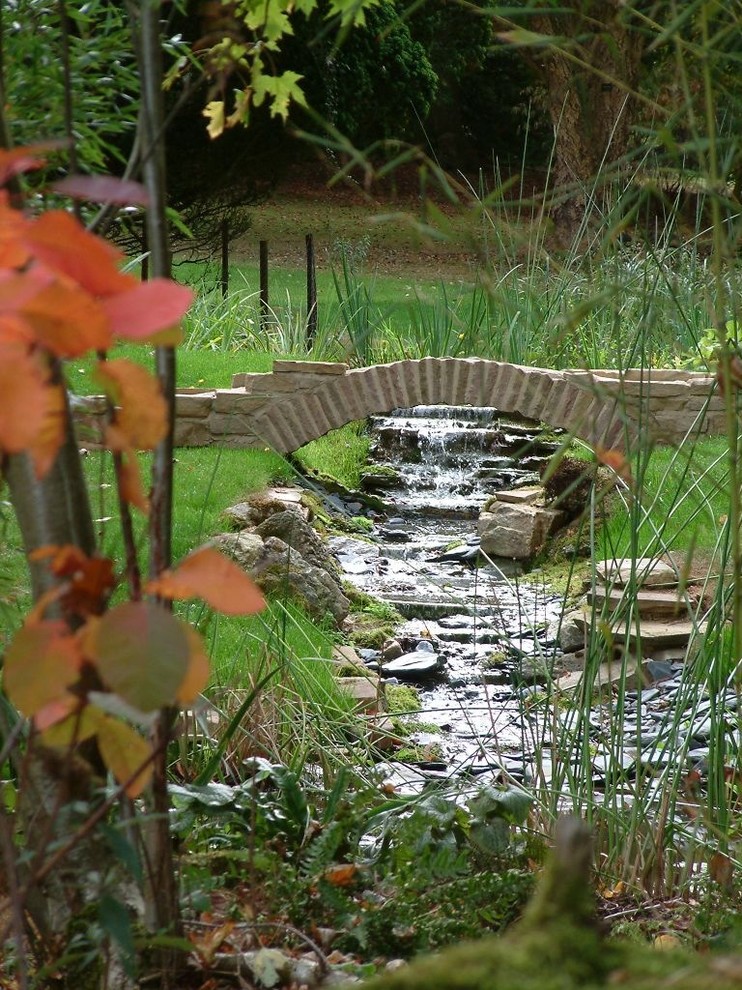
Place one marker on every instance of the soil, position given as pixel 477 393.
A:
pixel 406 224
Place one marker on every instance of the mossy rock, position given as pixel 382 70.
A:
pixel 558 946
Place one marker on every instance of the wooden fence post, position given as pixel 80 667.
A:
pixel 311 293
pixel 264 306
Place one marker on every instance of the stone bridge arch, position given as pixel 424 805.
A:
pixel 309 400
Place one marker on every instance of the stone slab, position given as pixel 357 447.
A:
pixel 657 603
pixel 195 406
pixel 605 677
pixel 645 571
pixel 309 367
pixel 237 401
pixel 528 495
pixel 365 691
pixel 654 634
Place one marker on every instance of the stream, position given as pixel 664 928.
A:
pixel 474 637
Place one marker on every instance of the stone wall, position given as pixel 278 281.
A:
pixel 300 401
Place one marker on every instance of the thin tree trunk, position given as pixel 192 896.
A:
pixel 162 894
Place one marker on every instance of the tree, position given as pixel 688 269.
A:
pixel 589 53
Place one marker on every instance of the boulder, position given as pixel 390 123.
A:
pixel 517 531
pixel 278 569
pixel 289 527
pixel 569 631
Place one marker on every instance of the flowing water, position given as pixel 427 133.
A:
pixel 485 624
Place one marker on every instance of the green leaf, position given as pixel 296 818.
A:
pixel 115 922
pixel 509 803
pixel 142 653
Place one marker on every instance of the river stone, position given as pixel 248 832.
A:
pixel 517 531
pixel 278 569
pixel 528 495
pixel 569 631
pixel 296 533
pixel 413 666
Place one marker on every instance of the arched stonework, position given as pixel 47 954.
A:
pixel 301 400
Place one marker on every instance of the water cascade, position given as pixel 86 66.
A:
pixel 475 634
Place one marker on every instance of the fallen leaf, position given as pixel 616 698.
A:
pixel 342 875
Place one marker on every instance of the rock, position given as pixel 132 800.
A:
pixel 264 504
pixel 413 666
pixel 391 650
pixel 654 603
pixel 569 631
pixel 647 572
pixel 277 569
pixel 604 678
pixel 517 531
pixel 424 646
pixel 366 692
pixel 656 670
pixel 347 657
pixel 296 533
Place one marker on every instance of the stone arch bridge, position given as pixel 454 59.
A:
pixel 300 401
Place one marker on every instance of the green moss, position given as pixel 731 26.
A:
pixel 401 698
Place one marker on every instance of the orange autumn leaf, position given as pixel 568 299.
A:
pixel 45 446
pixel 197 675
pixel 41 663
pixel 63 245
pixel 65 319
pixel 13 226
pixel 616 461
pixel 130 477
pixel 142 416
pixel 147 309
pixel 341 875
pixel 23 398
pixel 209 575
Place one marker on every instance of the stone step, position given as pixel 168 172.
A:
pixel 644 571
pixel 653 633
pixel 654 603
pixel 416 608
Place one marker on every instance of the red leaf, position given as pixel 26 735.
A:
pixel 103 189
pixel 210 575
pixel 63 245
pixel 147 309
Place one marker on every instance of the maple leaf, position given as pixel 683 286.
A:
pixel 209 575
pixel 142 416
pixel 214 113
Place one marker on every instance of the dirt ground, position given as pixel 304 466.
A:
pixel 404 225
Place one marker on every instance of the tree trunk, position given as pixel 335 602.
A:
pixel 591 72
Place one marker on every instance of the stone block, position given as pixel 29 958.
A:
pixel 643 571
pixel 191 433
pixel 515 531
pixel 236 400
pixel 221 424
pixel 195 406
pixel 528 495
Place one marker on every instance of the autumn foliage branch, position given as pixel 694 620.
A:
pixel 78 668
